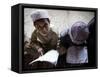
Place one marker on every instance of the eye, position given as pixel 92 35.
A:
pixel 45 25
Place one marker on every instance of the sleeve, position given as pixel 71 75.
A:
pixel 33 37
pixel 34 43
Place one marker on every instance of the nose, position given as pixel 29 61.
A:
pixel 45 30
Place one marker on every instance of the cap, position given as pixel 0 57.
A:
pixel 39 14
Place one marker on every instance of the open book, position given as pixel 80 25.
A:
pixel 51 56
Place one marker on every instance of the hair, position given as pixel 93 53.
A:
pixel 42 19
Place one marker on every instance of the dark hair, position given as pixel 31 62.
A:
pixel 42 19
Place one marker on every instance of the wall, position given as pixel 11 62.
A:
pixel 60 19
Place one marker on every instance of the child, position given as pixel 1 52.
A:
pixel 75 44
pixel 43 38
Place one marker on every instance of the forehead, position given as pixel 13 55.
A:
pixel 42 21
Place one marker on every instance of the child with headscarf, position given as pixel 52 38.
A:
pixel 74 43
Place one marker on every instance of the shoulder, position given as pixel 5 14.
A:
pixel 34 33
pixel 53 33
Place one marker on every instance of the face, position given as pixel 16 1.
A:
pixel 82 35
pixel 42 26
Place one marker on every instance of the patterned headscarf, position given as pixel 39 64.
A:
pixel 79 32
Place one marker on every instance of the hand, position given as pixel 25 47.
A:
pixel 40 50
